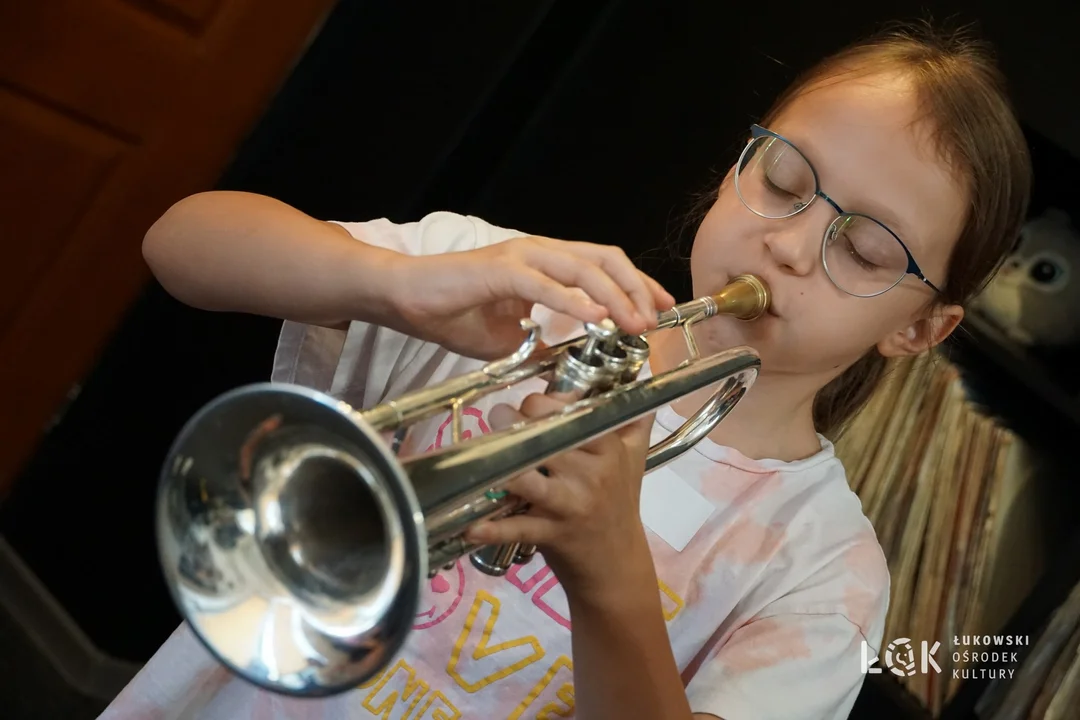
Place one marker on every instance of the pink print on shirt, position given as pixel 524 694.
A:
pixel 738 487
pixel 470 416
pixel 514 577
pixel 445 591
pixel 764 643
pixel 748 541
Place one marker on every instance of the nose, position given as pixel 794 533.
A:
pixel 795 243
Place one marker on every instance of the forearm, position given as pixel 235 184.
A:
pixel 623 663
pixel 241 252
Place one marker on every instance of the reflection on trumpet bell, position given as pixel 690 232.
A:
pixel 296 545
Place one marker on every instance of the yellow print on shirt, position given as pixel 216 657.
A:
pixel 503 659
pixel 670 612
pixel 445 711
pixel 392 686
pixel 564 693
pixel 566 698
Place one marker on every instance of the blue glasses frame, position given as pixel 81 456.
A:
pixel 757 132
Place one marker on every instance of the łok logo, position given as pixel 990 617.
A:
pixel 901 659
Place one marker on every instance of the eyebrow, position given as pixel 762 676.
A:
pixel 888 218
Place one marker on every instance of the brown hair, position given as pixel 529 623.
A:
pixel 963 95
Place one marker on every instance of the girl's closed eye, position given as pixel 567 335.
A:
pixel 777 188
pixel 869 251
pixel 853 250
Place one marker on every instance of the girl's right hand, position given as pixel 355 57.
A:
pixel 472 302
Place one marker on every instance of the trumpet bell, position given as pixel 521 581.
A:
pixel 291 540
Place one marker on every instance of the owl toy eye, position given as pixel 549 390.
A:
pixel 1045 271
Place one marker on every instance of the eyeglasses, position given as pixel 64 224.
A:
pixel 861 255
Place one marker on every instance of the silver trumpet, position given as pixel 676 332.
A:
pixel 296 544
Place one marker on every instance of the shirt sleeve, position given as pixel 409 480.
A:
pixel 367 364
pixel 802 656
pixel 796 667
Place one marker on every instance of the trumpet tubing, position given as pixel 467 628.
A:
pixel 296 544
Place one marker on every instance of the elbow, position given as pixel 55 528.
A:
pixel 160 254
pixel 163 245
pixel 154 244
pixel 158 242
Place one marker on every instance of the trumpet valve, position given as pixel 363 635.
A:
pixel 524 554
pixel 636 350
pixel 599 336
pixel 495 560
pixel 592 367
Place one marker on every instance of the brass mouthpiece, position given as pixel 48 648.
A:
pixel 745 297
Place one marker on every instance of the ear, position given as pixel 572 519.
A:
pixel 923 334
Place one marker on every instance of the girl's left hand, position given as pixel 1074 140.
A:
pixel 585 514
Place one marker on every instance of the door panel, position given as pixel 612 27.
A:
pixel 110 111
pixel 70 157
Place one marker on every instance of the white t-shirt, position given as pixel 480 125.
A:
pixel 767 604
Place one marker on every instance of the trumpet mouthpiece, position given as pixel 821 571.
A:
pixel 745 297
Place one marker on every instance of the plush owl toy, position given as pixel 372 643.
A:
pixel 1033 298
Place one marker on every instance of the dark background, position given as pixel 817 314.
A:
pixel 582 120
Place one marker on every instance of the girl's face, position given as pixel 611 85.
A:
pixel 872 156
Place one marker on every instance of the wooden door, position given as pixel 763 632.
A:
pixel 110 111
